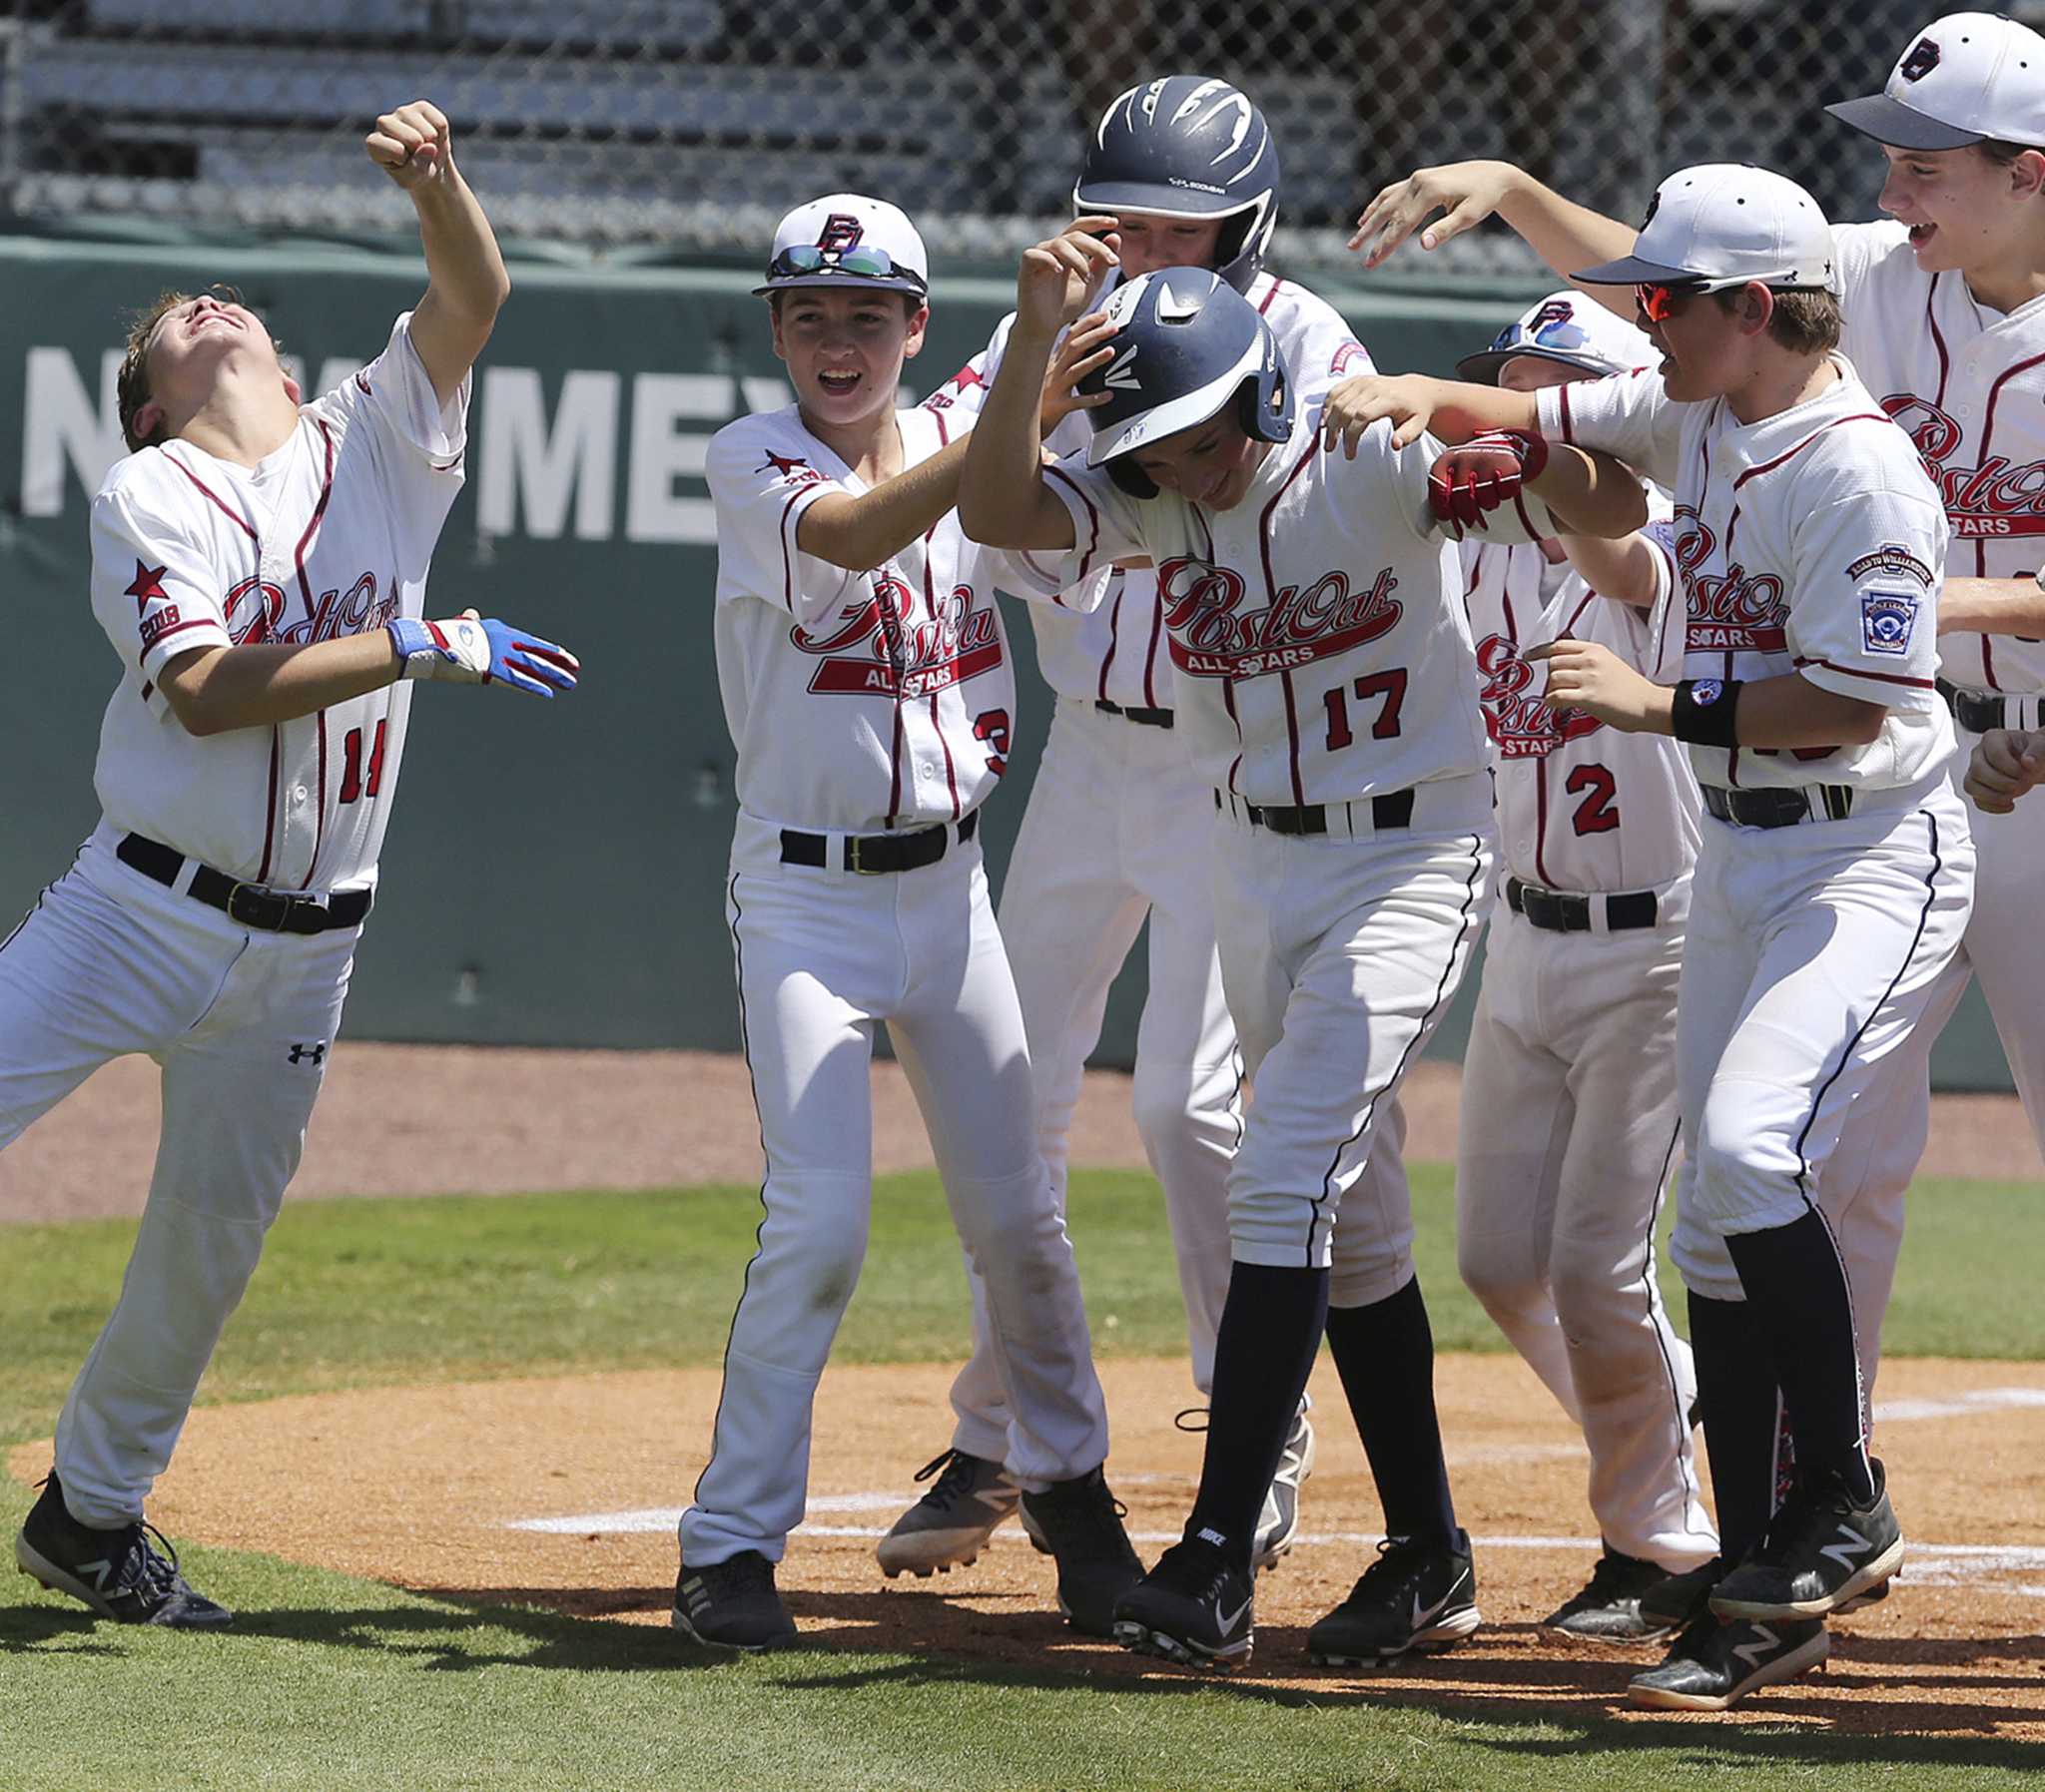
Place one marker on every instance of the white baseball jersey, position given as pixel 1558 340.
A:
pixel 1813 542
pixel 1114 649
pixel 1968 384
pixel 330 535
pixel 857 701
pixel 1319 646
pixel 1580 807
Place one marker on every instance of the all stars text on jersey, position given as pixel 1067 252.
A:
pixel 1998 497
pixel 1212 635
pixel 881 651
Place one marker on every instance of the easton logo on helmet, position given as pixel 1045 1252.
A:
pixel 842 231
pixel 1923 58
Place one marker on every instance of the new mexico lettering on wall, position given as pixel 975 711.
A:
pixel 611 456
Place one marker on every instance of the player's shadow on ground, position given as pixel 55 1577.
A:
pixel 1538 1704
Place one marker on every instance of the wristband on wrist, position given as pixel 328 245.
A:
pixel 1704 710
pixel 414 644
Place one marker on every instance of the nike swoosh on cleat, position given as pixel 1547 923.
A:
pixel 1421 1619
pixel 1230 1623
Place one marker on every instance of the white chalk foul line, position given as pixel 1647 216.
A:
pixel 1928 1564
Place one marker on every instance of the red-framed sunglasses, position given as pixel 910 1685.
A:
pixel 1657 302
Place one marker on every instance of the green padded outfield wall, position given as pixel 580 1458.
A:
pixel 553 874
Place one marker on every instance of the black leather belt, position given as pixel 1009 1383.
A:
pixel 873 855
pixel 1780 809
pixel 1974 713
pixel 1393 809
pixel 251 905
pixel 1558 912
pixel 1143 717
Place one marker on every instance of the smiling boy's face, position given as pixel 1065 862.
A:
pixel 844 348
pixel 178 352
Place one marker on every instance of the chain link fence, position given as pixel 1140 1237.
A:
pixel 690 125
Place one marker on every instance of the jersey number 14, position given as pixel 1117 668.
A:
pixel 353 785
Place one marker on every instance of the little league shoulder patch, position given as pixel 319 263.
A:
pixel 1887 620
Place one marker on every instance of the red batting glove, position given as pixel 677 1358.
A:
pixel 1485 473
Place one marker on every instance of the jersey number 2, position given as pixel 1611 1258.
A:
pixel 1391 686
pixel 1598 813
pixel 352 785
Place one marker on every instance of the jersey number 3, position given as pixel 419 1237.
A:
pixel 352 785
pixel 1391 686
pixel 1599 810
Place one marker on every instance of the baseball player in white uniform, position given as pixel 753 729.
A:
pixel 1119 828
pixel 1943 323
pixel 1567 1129
pixel 870 694
pixel 1326 689
pixel 259 568
pixel 1836 869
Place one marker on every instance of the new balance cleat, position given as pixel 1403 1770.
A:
pixel 120 1573
pixel 1714 1665
pixel 1825 1549
pixel 950 1526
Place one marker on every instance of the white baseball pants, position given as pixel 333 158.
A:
pixel 1566 1139
pixel 1339 952
pixel 1118 830
pixel 107 963
pixel 822 956
pixel 1813 956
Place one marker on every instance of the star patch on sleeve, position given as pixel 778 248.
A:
pixel 148 586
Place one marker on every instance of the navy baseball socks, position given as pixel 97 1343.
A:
pixel 1385 1355
pixel 1196 1605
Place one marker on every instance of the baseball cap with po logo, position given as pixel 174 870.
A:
pixel 1723 224
pixel 1966 77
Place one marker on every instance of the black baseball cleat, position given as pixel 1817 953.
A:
pixel 1607 1608
pixel 1419 1594
pixel 120 1573
pixel 1193 1607
pixel 1714 1665
pixel 1079 1524
pixel 1675 1599
pixel 733 1604
pixel 1826 1548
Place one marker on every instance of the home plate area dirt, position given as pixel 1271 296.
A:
pixel 562 1494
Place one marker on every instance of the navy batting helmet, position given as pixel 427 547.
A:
pixel 1188 147
pixel 1186 345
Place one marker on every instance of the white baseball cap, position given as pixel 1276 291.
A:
pixel 1569 327
pixel 1723 224
pixel 1968 76
pixel 847 240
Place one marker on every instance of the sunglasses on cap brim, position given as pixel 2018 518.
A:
pixel 1558 333
pixel 862 261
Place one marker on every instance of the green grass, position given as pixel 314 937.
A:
pixel 370 1293
pixel 332 1684
pixel 329 1683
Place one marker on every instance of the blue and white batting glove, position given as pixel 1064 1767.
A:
pixel 477 650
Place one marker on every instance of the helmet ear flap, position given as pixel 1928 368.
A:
pixel 1125 471
pixel 1261 421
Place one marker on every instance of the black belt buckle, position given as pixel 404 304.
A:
pixel 865 852
pixel 1311 818
pixel 263 910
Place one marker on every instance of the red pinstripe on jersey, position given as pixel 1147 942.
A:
pixel 217 501
pixel 1980 542
pixel 1092 542
pixel 1313 453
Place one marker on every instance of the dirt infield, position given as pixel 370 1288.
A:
pixel 428 1120
pixel 561 1494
